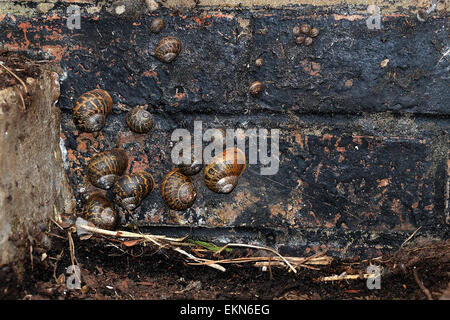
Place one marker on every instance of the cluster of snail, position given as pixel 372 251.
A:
pixel 304 34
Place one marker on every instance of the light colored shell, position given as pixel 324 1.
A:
pixel 255 88
pixel 222 174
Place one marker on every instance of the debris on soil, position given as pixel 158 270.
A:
pixel 115 269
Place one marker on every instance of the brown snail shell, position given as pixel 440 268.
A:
pixel 168 49
pixel 223 173
pixel 308 41
pixel 299 39
pixel 190 169
pixel 106 167
pixel 305 28
pixel 91 110
pixel 259 62
pixel 130 189
pixel 296 31
pixel 314 32
pixel 178 191
pixel 139 120
pixel 100 212
pixel 255 88
pixel 157 25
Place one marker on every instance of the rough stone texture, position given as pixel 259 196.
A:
pixel 33 185
pixel 363 149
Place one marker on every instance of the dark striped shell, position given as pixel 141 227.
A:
pixel 91 110
pixel 100 212
pixel 130 189
pixel 139 120
pixel 223 173
pixel 106 167
pixel 178 191
pixel 168 49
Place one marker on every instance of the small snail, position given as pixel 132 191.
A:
pixel 299 39
pixel 296 31
pixel 223 173
pixel 308 41
pixel 259 62
pixel 255 88
pixel 314 32
pixel 178 191
pixel 168 49
pixel 190 169
pixel 106 167
pixel 157 25
pixel 139 120
pixel 100 212
pixel 91 110
pixel 130 189
pixel 305 28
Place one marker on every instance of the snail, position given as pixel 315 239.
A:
pixel 223 173
pixel 91 110
pixel 168 49
pixel 157 25
pixel 259 62
pixel 314 32
pixel 139 120
pixel 106 167
pixel 305 28
pixel 190 169
pixel 130 189
pixel 299 39
pixel 100 212
pixel 308 41
pixel 177 190
pixel 255 88
pixel 296 31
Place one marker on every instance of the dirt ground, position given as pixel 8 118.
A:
pixel 111 270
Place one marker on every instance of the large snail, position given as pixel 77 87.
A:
pixel 91 110
pixel 178 191
pixel 100 212
pixel 168 49
pixel 139 120
pixel 223 173
pixel 106 167
pixel 130 189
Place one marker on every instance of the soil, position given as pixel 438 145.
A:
pixel 111 270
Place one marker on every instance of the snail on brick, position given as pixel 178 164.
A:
pixel 178 191
pixel 157 25
pixel 91 110
pixel 168 49
pixel 106 167
pixel 139 120
pixel 223 173
pixel 255 88
pixel 100 212
pixel 130 189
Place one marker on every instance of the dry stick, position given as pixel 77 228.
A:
pixel 212 265
pixel 15 76
pixel 411 236
pixel 348 277
pixel 56 264
pixel 261 248
pixel 422 287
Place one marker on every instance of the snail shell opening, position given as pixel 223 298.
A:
pixel 227 184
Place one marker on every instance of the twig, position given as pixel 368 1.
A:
pixel 422 287
pixel 411 236
pixel 347 277
pixel 212 265
pixel 260 248
pixel 15 76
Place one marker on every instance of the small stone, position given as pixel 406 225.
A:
pixel 44 7
pixel 120 9
pixel 384 63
